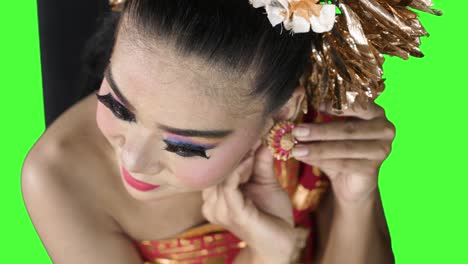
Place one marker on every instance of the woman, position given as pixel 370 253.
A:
pixel 165 162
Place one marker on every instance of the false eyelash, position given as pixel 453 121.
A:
pixel 122 113
pixel 116 108
pixel 185 150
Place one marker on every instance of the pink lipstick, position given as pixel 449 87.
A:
pixel 139 185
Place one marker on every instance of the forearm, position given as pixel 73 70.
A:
pixel 275 242
pixel 355 236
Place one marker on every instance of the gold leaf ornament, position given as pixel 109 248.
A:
pixel 347 56
pixel 116 5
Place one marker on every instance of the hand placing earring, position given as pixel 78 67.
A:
pixel 349 151
pixel 252 205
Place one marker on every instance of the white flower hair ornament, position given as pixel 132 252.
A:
pixel 299 15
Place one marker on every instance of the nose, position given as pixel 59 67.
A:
pixel 139 156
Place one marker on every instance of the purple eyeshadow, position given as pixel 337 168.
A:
pixel 187 142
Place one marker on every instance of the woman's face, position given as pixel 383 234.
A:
pixel 171 120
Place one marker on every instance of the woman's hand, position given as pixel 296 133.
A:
pixel 349 151
pixel 251 204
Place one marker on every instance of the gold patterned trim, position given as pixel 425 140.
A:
pixel 202 230
pixel 316 171
pixel 304 198
pixel 205 252
pixel 175 249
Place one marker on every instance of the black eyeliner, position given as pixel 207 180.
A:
pixel 185 150
pixel 119 110
pixel 180 148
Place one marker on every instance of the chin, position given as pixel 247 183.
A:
pixel 151 195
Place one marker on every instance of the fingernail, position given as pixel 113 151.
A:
pixel 300 151
pixel 300 131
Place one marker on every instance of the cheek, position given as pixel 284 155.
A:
pixel 106 122
pixel 199 174
pixel 202 176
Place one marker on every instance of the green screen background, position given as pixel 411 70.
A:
pixel 423 182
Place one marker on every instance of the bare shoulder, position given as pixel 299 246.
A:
pixel 71 155
pixel 70 148
pixel 58 181
pixel 74 130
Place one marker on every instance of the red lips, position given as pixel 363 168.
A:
pixel 139 185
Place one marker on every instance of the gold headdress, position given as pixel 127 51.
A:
pixel 116 5
pixel 348 58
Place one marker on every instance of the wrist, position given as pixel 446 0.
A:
pixel 274 240
pixel 286 250
pixel 350 208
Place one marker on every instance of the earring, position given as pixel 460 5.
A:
pixel 280 140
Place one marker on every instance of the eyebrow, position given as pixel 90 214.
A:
pixel 110 79
pixel 215 134
pixel 196 133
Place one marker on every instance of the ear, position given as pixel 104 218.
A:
pixel 292 108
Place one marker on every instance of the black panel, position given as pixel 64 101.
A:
pixel 64 28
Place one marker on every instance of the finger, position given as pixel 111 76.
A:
pixel 207 212
pixel 214 206
pixel 209 204
pixel 373 110
pixel 229 189
pixel 354 167
pixel 224 207
pixel 233 200
pixel 378 128
pixel 359 149
pixel 208 192
pixel 247 170
pixel 252 151
pixel 240 174
pixel 245 177
pixel 236 203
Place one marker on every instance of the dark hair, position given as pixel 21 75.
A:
pixel 228 32
pixel 96 53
